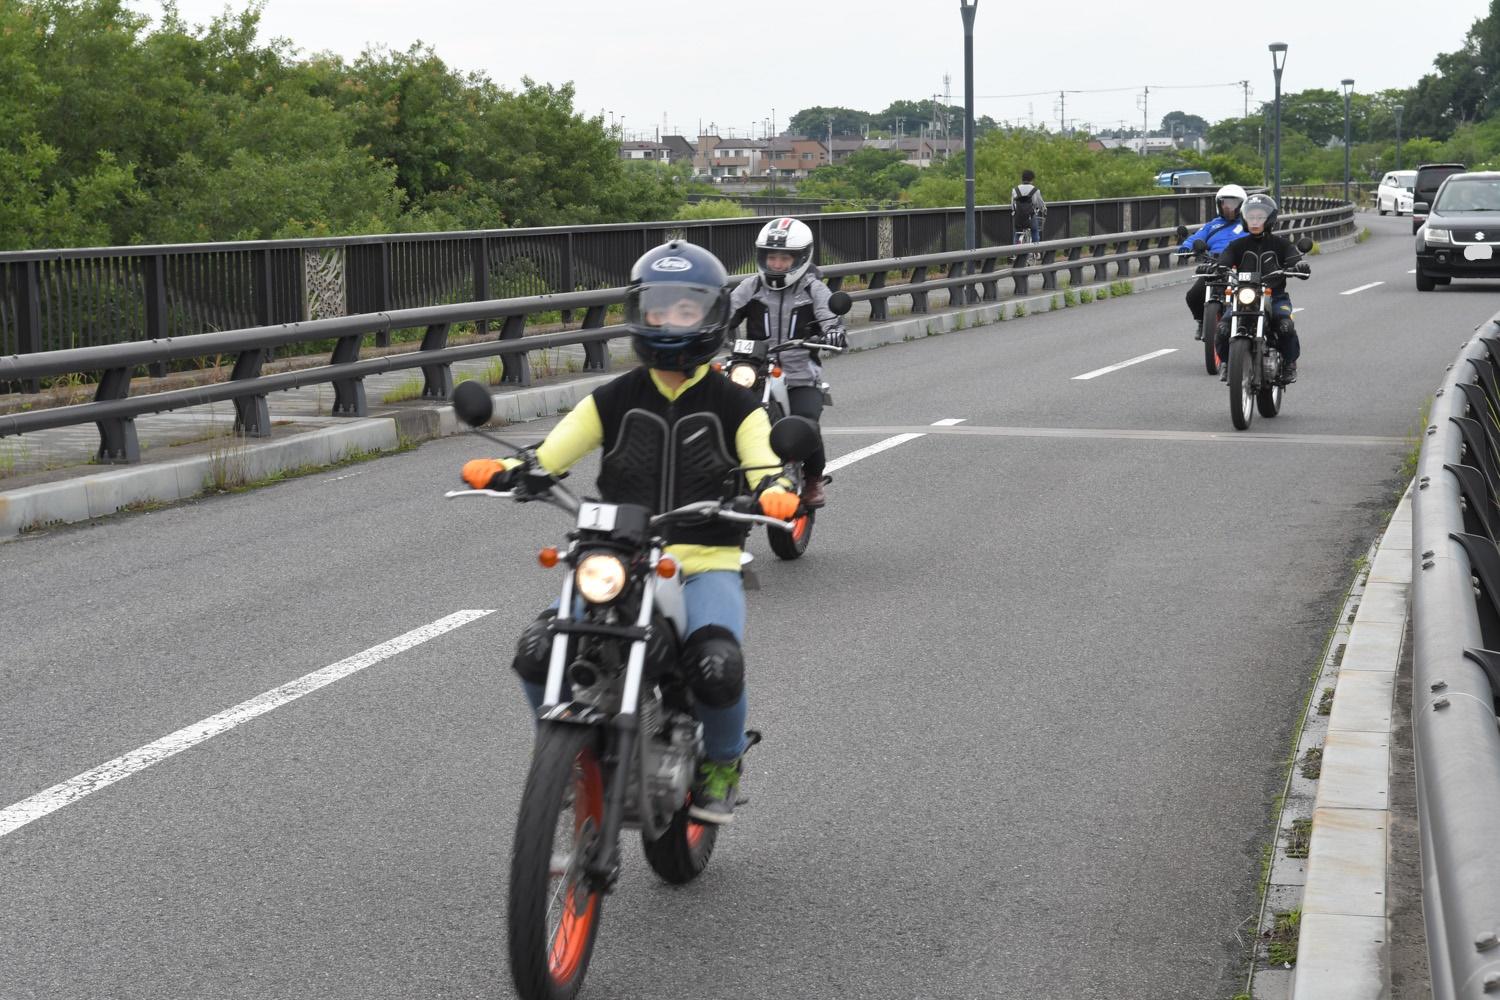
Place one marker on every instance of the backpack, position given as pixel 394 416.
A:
pixel 1023 208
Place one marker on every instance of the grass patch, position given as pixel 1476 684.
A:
pixel 1362 235
pixel 351 457
pixel 1070 298
pixel 1056 303
pixel 409 389
pixel 1020 310
pixel 1325 702
pixel 12 455
pixel 1121 288
pixel 1312 763
pixel 1281 939
pixel 1085 295
pixel 1414 439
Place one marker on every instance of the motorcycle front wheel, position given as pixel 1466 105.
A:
pixel 1241 385
pixel 1210 331
pixel 1268 400
pixel 791 544
pixel 554 913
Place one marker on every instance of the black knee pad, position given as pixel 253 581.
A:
pixel 1286 326
pixel 534 650
pixel 715 666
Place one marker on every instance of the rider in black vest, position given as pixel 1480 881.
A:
pixel 676 307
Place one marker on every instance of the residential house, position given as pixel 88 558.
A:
pixel 737 158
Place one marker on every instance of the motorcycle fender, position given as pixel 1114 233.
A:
pixel 669 602
pixel 776 393
pixel 574 713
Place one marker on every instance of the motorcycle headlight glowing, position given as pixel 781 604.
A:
pixel 600 578
pixel 1247 296
pixel 1438 235
pixel 742 375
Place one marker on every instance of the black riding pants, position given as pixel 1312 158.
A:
pixel 1195 299
pixel 807 401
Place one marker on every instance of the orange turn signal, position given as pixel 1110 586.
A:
pixel 717 366
pixel 776 372
pixel 547 557
pixel 666 568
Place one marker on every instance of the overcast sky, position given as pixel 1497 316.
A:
pixel 734 64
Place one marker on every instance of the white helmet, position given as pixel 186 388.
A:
pixel 784 236
pixel 1230 191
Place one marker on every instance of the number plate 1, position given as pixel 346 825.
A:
pixel 596 516
pixel 744 347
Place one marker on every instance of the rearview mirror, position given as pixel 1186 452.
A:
pixel 1421 208
pixel 473 404
pixel 794 438
pixel 1303 244
pixel 840 303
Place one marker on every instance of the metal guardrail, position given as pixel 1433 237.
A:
pixel 59 299
pixel 1456 672
pixel 978 274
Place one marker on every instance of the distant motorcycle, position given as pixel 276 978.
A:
pixel 1256 378
pixel 1215 299
pixel 622 749
pixel 752 365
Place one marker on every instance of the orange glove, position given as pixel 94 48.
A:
pixel 480 472
pixel 780 504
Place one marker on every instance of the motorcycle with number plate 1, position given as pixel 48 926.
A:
pixel 752 365
pixel 1255 375
pixel 1216 299
pixel 617 744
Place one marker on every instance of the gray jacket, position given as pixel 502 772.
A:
pixel 787 314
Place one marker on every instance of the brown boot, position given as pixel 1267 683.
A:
pixel 812 492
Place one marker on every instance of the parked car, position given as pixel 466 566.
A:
pixel 1461 237
pixel 1429 177
pixel 1395 192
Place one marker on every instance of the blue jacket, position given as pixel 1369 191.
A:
pixel 1218 233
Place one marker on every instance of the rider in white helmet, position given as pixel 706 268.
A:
pixel 1220 231
pixel 788 301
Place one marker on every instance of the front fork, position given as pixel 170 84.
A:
pixel 603 868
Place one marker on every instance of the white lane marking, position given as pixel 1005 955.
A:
pixel 1412 271
pixel 70 791
pixel 1297 310
pixel 348 475
pixel 1363 288
pixel 887 444
pixel 1123 364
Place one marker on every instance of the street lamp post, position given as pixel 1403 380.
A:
pixel 1278 61
pixel 968 8
pixel 1398 109
pixel 1348 86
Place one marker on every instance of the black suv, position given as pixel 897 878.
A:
pixel 1424 188
pixel 1461 238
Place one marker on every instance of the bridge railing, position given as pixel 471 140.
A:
pixel 968 276
pixel 58 299
pixel 1456 672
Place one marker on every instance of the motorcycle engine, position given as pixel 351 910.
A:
pixel 1270 365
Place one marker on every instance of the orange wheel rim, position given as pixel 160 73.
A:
pixel 580 905
pixel 799 527
pixel 694 834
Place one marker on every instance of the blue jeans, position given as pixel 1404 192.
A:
pixel 713 598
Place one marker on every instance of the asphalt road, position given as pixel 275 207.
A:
pixel 1026 700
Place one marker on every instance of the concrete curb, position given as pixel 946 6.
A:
pixel 104 493
pixel 1343 944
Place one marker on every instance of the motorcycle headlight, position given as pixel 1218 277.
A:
pixel 600 577
pixel 1247 296
pixel 742 375
pixel 1439 235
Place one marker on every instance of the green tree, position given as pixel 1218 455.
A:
pixel 1066 169
pixel 814 121
pixel 1174 122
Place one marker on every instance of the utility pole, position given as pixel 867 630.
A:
pixel 1062 112
pixel 968 8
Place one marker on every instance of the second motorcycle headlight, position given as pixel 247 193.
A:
pixel 742 375
pixel 601 578
pixel 1247 296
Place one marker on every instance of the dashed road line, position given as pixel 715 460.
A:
pixel 1363 288
pixel 889 443
pixel 1123 364
pixel 14 817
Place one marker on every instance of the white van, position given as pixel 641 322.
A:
pixel 1395 192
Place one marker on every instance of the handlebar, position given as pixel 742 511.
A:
pixel 811 345
pixel 700 508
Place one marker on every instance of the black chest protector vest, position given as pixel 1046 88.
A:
pixel 663 454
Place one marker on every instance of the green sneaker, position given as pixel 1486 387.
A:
pixel 714 791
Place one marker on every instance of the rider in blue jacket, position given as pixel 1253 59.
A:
pixel 1220 231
